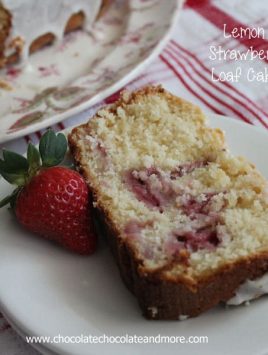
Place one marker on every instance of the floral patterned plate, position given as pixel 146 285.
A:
pixel 84 68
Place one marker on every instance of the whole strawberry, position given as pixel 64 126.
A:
pixel 50 200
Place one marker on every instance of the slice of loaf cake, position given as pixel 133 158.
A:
pixel 186 220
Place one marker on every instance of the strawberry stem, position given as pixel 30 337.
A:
pixel 10 199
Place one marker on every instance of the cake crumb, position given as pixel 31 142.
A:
pixel 153 310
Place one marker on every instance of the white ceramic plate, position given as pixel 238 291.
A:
pixel 47 291
pixel 68 77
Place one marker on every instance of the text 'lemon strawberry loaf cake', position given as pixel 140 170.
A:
pixel 187 221
pixel 28 25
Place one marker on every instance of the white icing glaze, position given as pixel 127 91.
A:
pixel 33 18
pixel 250 290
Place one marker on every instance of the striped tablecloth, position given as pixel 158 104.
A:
pixel 185 68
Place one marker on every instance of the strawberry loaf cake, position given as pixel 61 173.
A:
pixel 28 25
pixel 186 220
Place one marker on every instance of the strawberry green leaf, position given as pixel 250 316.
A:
pixel 16 178
pixel 14 168
pixel 33 157
pixel 61 147
pixel 52 148
pixel 13 162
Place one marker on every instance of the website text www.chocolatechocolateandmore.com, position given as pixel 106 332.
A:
pixel 119 339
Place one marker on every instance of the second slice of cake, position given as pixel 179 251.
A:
pixel 186 220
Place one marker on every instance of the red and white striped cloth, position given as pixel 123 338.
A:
pixel 184 68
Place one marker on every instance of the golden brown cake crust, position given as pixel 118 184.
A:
pixel 160 296
pixel 5 25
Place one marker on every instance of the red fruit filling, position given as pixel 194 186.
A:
pixel 203 234
pixel 187 168
pixel 133 228
pixel 204 238
pixel 191 206
pixel 133 231
pixel 154 188
pixel 149 186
